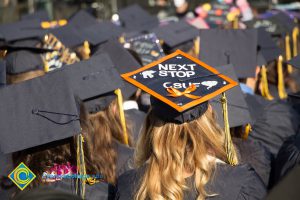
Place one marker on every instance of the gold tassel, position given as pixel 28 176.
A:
pixel 295 41
pixel 288 55
pixel 235 23
pixel 229 148
pixel 281 87
pixel 122 39
pixel 86 50
pixel 197 46
pixel 264 82
pixel 81 171
pixel 248 129
pixel 52 24
pixel 118 92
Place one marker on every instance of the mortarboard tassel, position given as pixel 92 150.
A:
pixel 235 23
pixel 118 92
pixel 288 55
pixel 197 46
pixel 264 82
pixel 295 41
pixel 86 50
pixel 52 24
pixel 248 129
pixel 81 171
pixel 281 88
pixel 122 39
pixel 229 148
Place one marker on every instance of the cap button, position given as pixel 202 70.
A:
pixel 35 111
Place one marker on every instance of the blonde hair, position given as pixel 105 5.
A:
pixel 171 149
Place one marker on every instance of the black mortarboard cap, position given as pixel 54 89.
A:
pixel 285 21
pixel 68 35
pixel 100 32
pixel 279 24
pixel 22 30
pixel 295 62
pixel 93 77
pixel 2 72
pixel 23 61
pixel 238 111
pixel 267 46
pixel 123 61
pixel 38 111
pixel 146 46
pixel 82 19
pixel 176 33
pixel 180 86
pixel 135 18
pixel 237 47
pixel 40 14
pixel 260 60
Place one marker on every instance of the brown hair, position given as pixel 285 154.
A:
pixel 106 126
pixel 17 78
pixel 171 149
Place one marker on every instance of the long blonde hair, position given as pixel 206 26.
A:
pixel 170 149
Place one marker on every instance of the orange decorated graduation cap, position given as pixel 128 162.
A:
pixel 180 87
pixel 180 81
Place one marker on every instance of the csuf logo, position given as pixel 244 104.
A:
pixel 22 176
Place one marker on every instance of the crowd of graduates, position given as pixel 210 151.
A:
pixel 188 107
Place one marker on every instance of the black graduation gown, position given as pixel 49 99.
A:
pixel 6 167
pixel 238 183
pixel 92 192
pixel 124 157
pixel 287 158
pixel 256 155
pixel 274 125
pixel 136 119
pixel 288 187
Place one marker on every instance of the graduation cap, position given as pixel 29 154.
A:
pixel 135 18
pixel 40 15
pixel 295 62
pixel 93 81
pixel 267 46
pixel 68 35
pixel 238 47
pixel 22 30
pixel 283 20
pixel 180 87
pixel 100 32
pixel 82 19
pixel 238 111
pixel 146 46
pixel 2 72
pixel 277 25
pixel 122 60
pixel 60 56
pixel 38 111
pixel 177 33
pixel 176 79
pixel 23 61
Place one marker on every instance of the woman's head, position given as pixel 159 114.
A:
pixel 172 149
pixel 103 127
